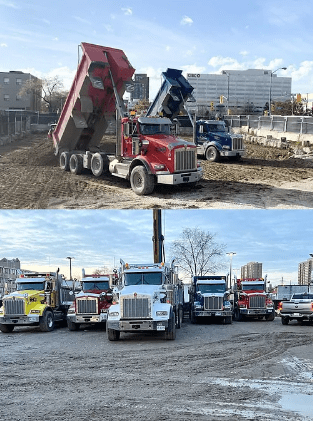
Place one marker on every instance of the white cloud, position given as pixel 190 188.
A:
pixel 127 11
pixel 3 45
pixel 193 68
pixel 8 4
pixel 186 21
pixel 82 20
pixel 244 53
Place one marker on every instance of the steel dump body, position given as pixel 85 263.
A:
pixel 174 92
pixel 91 100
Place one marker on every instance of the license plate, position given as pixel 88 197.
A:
pixel 160 327
pixel 296 314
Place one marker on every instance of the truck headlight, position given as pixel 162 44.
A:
pixel 114 314
pixel 226 147
pixel 35 311
pixel 162 313
pixel 198 307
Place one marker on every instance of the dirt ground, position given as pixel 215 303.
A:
pixel 265 178
pixel 253 370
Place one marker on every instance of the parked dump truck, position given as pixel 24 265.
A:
pixel 146 151
pixel 209 297
pixel 40 299
pixel 91 304
pixel 148 297
pixel 250 300
pixel 299 307
pixel 214 141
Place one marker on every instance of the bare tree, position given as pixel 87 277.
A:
pixel 49 90
pixel 101 271
pixel 197 252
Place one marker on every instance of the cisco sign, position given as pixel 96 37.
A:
pixel 193 75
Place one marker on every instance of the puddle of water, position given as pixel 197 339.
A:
pixel 298 403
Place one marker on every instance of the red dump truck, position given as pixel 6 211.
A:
pixel 146 151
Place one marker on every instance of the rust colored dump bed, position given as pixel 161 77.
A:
pixel 91 100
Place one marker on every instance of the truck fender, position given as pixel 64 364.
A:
pixel 212 143
pixel 139 161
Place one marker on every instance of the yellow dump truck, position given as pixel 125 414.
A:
pixel 40 299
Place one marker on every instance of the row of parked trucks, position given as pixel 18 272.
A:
pixel 146 150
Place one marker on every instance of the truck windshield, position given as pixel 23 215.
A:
pixel 216 128
pixel 250 287
pixel 151 278
pixel 101 285
pixel 211 289
pixel 154 129
pixel 36 286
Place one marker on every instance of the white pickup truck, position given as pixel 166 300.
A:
pixel 299 307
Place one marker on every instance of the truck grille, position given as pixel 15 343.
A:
pixel 14 307
pixel 185 159
pixel 87 306
pixel 237 143
pixel 257 301
pixel 213 303
pixel 136 308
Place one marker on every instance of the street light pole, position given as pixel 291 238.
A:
pixel 230 254
pixel 270 92
pixel 70 259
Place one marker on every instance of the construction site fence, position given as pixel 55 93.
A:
pixel 294 124
pixel 14 123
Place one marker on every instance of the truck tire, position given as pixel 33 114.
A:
pixel 96 165
pixel 285 320
pixel 6 328
pixel 179 318
pixel 270 317
pixel 193 318
pixel 76 164
pixel 113 335
pixel 72 325
pixel 46 323
pixel 212 154
pixel 65 161
pixel 141 182
pixel 170 332
pixel 228 320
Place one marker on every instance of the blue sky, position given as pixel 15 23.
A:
pixel 42 239
pixel 195 36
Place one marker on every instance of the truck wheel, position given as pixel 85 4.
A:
pixel 76 164
pixel 141 182
pixel 6 328
pixel 284 320
pixel 96 164
pixel 270 317
pixel 46 323
pixel 212 154
pixel 72 325
pixel 228 320
pixel 113 335
pixel 179 318
pixel 170 332
pixel 65 161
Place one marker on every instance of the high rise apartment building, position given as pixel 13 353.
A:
pixel 238 89
pixel 9 270
pixel 141 87
pixel 251 270
pixel 305 272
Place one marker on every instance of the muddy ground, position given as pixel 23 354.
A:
pixel 254 370
pixel 265 178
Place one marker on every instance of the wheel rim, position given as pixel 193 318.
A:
pixel 50 321
pixel 96 164
pixel 137 180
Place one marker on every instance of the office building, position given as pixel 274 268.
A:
pixel 251 270
pixel 141 88
pixel 305 275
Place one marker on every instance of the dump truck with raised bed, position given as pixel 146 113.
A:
pixel 250 300
pixel 214 141
pixel 148 297
pixel 40 299
pixel 209 297
pixel 299 307
pixel 146 152
pixel 92 302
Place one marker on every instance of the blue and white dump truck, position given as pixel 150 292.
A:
pixel 214 141
pixel 209 297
